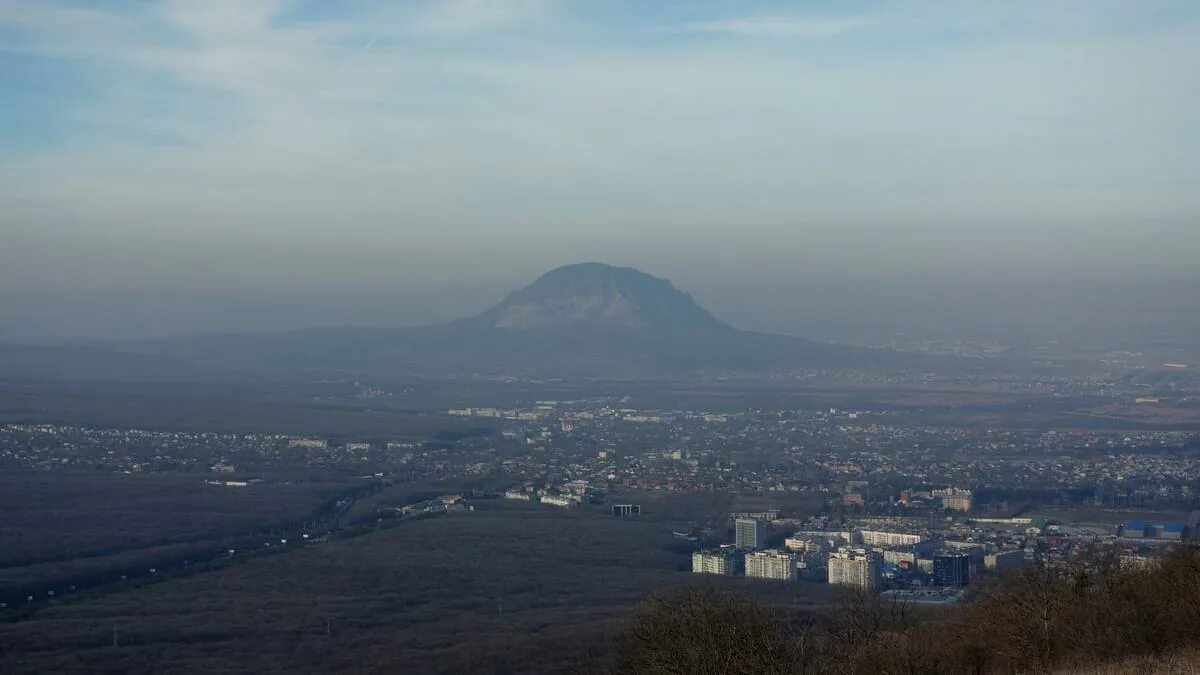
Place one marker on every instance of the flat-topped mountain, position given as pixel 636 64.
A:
pixel 594 295
pixel 587 320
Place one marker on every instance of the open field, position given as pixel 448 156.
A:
pixel 222 409
pixel 504 586
pixel 53 516
pixel 59 530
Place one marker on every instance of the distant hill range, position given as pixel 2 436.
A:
pixel 586 320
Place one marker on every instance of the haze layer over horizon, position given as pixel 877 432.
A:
pixel 452 143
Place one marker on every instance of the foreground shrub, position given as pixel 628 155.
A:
pixel 1039 620
pixel 705 630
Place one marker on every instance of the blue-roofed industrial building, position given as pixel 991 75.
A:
pixel 1170 531
pixel 1135 529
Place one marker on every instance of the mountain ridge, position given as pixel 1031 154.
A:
pixel 587 320
pixel 599 295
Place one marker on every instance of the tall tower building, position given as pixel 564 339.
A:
pixel 859 568
pixel 722 561
pixel 952 569
pixel 776 565
pixel 749 533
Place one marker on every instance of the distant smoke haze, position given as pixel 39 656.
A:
pixel 1089 314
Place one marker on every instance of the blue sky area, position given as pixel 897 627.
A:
pixel 231 143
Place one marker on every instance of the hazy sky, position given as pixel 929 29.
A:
pixel 224 144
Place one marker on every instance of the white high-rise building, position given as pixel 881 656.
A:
pixel 723 561
pixel 858 567
pixel 778 565
pixel 749 533
pixel 884 538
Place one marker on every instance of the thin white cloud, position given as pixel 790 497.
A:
pixel 449 18
pixel 298 129
pixel 774 25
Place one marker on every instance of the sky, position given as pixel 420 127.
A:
pixel 450 144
